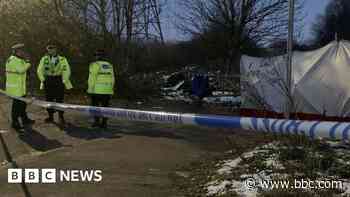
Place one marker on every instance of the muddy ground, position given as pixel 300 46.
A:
pixel 137 159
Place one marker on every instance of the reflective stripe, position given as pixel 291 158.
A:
pixel 13 72
pixel 103 83
pixel 11 85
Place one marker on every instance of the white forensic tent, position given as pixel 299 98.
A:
pixel 320 80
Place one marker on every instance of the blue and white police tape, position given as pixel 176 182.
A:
pixel 313 129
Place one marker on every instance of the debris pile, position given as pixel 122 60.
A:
pixel 281 165
pixel 223 90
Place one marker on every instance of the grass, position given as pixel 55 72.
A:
pixel 302 158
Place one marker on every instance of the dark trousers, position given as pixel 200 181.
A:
pixel 100 100
pixel 54 90
pixel 19 111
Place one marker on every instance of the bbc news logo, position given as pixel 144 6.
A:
pixel 47 176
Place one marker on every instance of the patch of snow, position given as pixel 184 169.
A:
pixel 279 176
pixel 179 98
pixel 221 188
pixel 245 176
pixel 262 149
pixel 346 188
pixel 240 188
pixel 228 165
pixel 220 93
pixel 338 144
pixel 253 153
pixel 272 146
pixel 178 93
pixel 340 160
pixel 222 99
pixel 273 161
pixel 217 188
pixel 174 88
pixel 262 175
pixel 343 152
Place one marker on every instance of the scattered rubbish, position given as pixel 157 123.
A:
pixel 267 163
pixel 224 89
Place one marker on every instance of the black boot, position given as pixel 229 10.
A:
pixel 104 123
pixel 61 119
pixel 49 119
pixel 96 122
pixel 27 121
pixel 15 125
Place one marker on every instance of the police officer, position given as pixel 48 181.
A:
pixel 101 84
pixel 16 73
pixel 54 73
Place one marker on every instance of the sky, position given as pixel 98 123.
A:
pixel 312 9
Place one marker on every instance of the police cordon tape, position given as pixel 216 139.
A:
pixel 313 129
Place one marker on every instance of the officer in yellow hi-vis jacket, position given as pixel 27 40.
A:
pixel 16 73
pixel 101 84
pixel 54 74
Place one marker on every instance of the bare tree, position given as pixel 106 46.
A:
pixel 241 22
pixel 333 23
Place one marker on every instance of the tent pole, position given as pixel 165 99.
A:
pixel 289 102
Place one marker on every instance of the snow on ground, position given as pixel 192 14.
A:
pixel 220 93
pixel 268 156
pixel 223 99
pixel 273 161
pixel 174 88
pixel 221 188
pixel 346 187
pixel 242 190
pixel 215 187
pixel 178 98
pixel 252 153
pixel 228 165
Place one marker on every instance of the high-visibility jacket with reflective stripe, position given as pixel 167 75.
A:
pixel 101 78
pixel 59 68
pixel 16 75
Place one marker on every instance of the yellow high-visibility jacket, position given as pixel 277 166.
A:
pixel 101 78
pixel 16 76
pixel 60 68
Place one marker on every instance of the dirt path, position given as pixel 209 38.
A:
pixel 136 158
